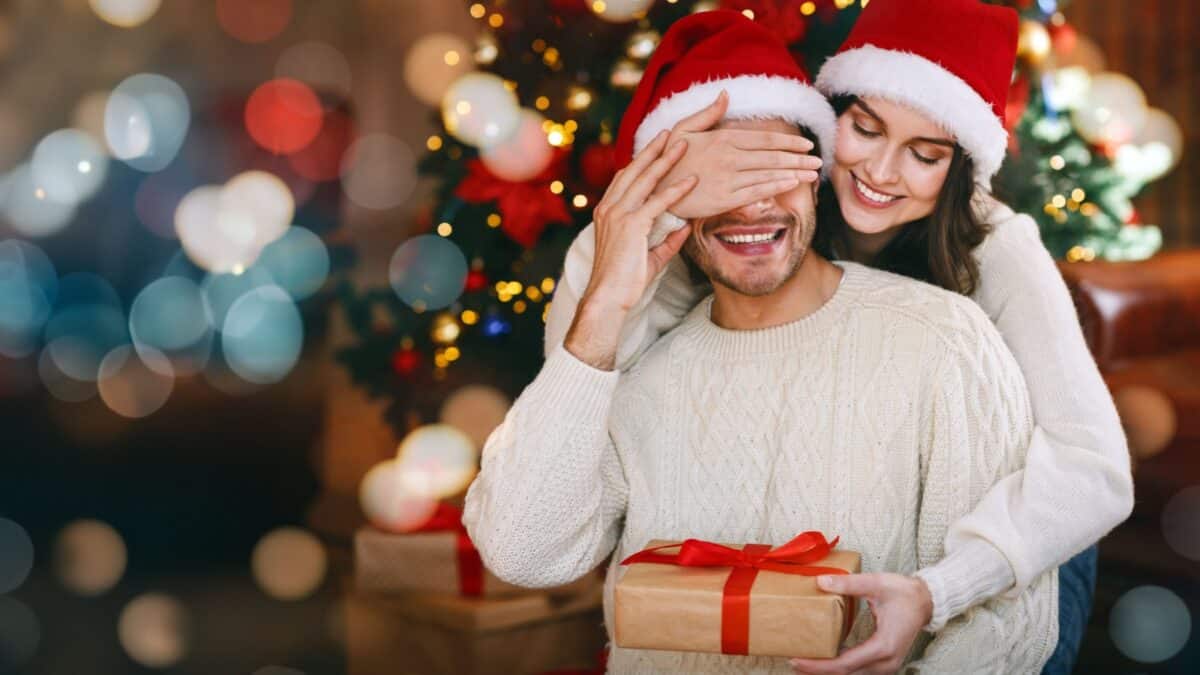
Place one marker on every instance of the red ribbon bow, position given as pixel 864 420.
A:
pixel 470 566
pixel 790 558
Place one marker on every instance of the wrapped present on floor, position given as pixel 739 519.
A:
pixel 434 633
pixel 440 557
pixel 733 599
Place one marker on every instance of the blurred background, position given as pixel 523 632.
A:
pixel 272 270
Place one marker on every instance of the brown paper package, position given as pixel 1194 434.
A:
pixel 678 608
pixel 431 634
pixel 427 561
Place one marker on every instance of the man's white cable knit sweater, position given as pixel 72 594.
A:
pixel 881 418
pixel 1076 484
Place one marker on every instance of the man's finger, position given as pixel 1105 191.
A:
pixel 744 139
pixel 706 118
pixel 852 660
pixel 665 198
pixel 776 159
pixel 629 175
pixel 648 181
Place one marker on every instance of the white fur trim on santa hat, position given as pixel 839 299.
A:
pixel 750 97
pixel 919 83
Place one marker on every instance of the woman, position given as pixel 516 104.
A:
pixel 919 88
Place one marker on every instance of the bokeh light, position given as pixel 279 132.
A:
pixel 220 291
pixel 433 63
pixel 283 115
pixel 211 242
pixel 261 199
pixel 221 377
pixel 387 505
pixel 60 384
pixel 28 289
pixel 321 160
pixel 135 383
pixel 254 21
pixel 89 318
pixel 168 317
pixel 317 64
pixel 20 634
pixel 69 165
pixel 619 11
pixel 298 262
pixel 27 207
pixel 480 110
pixel 476 410
pixel 1181 522
pixel 523 156
pixel 263 335
pixel 154 630
pixel 428 271
pixel 289 563
pixel 436 461
pixel 1112 110
pixel 378 171
pixel 125 13
pixel 146 120
pixel 89 557
pixel 16 559
pixel 1149 624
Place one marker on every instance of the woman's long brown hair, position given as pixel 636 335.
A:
pixel 936 249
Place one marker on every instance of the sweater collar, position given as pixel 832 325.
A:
pixel 720 342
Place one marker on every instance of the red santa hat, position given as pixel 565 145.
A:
pixel 950 59
pixel 703 53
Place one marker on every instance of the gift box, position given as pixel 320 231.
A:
pixel 735 599
pixel 441 561
pixel 433 633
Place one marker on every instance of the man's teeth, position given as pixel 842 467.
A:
pixel 873 195
pixel 747 238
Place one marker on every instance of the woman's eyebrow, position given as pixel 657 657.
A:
pixel 924 139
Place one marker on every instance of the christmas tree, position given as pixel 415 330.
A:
pixel 529 114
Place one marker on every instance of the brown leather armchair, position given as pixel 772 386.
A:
pixel 1142 323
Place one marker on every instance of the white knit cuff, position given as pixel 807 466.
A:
pixel 580 391
pixel 974 572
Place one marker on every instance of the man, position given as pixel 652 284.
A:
pixel 801 395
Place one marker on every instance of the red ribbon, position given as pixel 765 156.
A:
pixel 470 566
pixel 794 557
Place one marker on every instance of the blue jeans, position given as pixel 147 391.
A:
pixel 1076 586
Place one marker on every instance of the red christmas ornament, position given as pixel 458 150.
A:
pixel 1014 107
pixel 476 280
pixel 405 361
pixel 782 17
pixel 1063 38
pixel 598 165
pixel 526 208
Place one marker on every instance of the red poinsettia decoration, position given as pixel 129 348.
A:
pixel 782 17
pixel 526 208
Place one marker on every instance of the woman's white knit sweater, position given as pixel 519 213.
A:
pixel 1076 484
pixel 881 418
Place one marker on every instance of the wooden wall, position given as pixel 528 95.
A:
pixel 1157 43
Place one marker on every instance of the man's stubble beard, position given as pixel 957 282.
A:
pixel 799 234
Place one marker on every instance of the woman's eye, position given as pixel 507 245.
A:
pixel 923 159
pixel 864 132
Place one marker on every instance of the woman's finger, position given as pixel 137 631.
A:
pixel 661 255
pixel 744 139
pixel 776 159
pixel 754 193
pixel 630 174
pixel 706 118
pixel 663 199
pixel 745 179
pixel 648 181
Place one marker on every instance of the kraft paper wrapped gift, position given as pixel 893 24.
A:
pixel 434 633
pixel 735 599
pixel 442 561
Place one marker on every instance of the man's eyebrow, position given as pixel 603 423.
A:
pixel 924 139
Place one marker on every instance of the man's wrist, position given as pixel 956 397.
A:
pixel 596 331
pixel 925 599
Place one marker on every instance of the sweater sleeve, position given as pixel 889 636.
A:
pixel 549 501
pixel 980 425
pixel 1076 483
pixel 667 300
